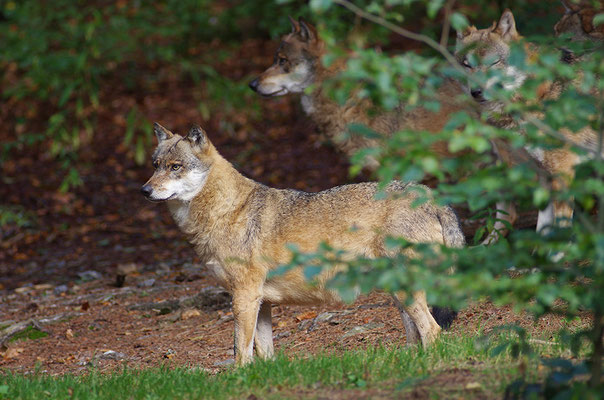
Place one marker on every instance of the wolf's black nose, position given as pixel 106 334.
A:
pixel 476 93
pixel 147 190
pixel 254 85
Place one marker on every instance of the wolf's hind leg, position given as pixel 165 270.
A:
pixel 505 212
pixel 410 329
pixel 264 332
pixel 420 314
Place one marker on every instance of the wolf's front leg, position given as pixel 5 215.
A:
pixel 264 332
pixel 245 311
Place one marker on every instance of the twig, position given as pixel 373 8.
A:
pixel 444 36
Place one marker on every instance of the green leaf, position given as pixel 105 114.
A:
pixel 433 7
pixel 320 6
pixel 459 21
pixel 598 19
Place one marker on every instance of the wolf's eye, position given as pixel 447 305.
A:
pixel 155 164
pixel 175 167
pixel 282 61
pixel 496 62
pixel 466 63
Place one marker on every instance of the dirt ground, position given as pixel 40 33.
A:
pixel 45 269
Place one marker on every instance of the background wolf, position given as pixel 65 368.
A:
pixel 297 65
pixel 242 227
pixel 491 48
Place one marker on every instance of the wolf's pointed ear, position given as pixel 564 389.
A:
pixel 197 136
pixel 506 26
pixel 294 23
pixel 161 132
pixel 460 35
pixel 308 33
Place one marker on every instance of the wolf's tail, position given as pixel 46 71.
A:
pixel 452 237
pixel 452 234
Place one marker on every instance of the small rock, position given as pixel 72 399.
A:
pixel 59 290
pixel 361 329
pixel 88 276
pixel 146 283
pixel 224 363
pixel 281 335
pixel 111 355
pixel 304 324
pixel 175 317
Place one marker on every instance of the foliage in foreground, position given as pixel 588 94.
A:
pixel 389 369
pixel 559 269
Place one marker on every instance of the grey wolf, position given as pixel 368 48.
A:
pixel 241 228
pixel 297 65
pixel 491 47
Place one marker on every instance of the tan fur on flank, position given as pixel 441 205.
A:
pixel 241 229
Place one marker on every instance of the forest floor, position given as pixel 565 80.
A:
pixel 59 272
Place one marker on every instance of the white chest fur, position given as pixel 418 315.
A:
pixel 180 212
pixel 307 104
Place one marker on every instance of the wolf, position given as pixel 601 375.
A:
pixel 240 228
pixel 297 65
pixel 577 21
pixel 491 46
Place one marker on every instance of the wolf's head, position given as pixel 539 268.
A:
pixel 577 21
pixel 295 62
pixel 182 165
pixel 480 50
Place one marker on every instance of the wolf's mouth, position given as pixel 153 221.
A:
pixel 160 200
pixel 276 93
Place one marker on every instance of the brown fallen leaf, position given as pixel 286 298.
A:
pixel 69 334
pixel 187 314
pixel 13 352
pixel 306 315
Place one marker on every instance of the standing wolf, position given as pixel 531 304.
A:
pixel 242 227
pixel 297 65
pixel 491 47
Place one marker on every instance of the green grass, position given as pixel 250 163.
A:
pixel 29 333
pixel 378 370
